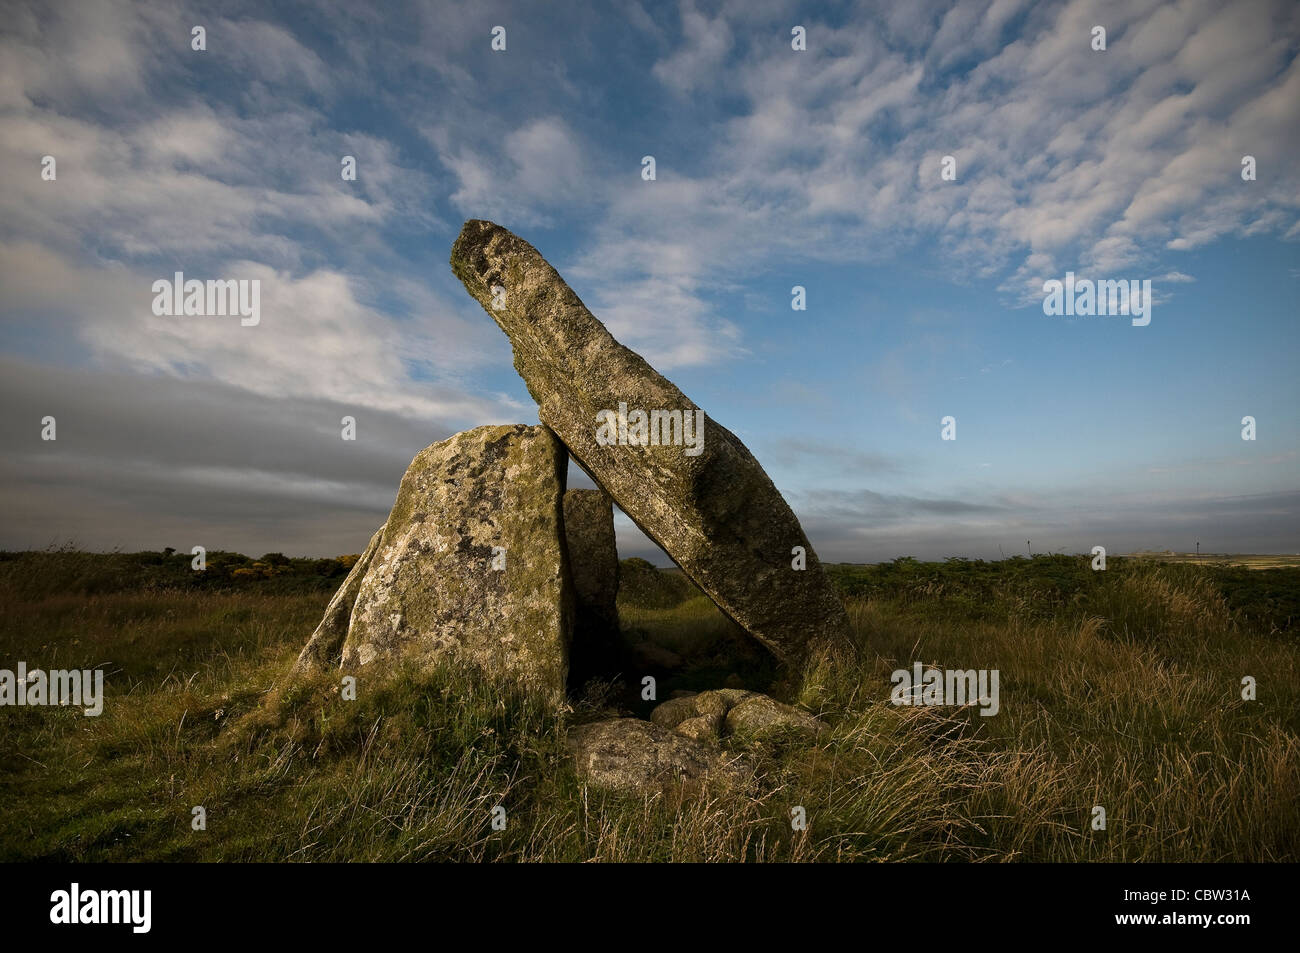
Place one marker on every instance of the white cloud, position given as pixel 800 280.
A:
pixel 696 62
pixel 270 53
pixel 1066 156
pixel 316 339
pixel 523 176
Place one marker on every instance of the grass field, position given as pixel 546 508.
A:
pixel 1119 688
pixel 1244 560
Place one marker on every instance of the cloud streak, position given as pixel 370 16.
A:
pixel 771 165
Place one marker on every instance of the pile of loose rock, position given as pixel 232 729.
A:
pixel 485 558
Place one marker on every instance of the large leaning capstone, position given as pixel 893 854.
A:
pixel 707 502
pixel 471 565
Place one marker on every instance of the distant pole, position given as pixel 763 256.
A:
pixel 1198 550
pixel 1030 548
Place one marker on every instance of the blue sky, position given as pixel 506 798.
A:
pixel 775 168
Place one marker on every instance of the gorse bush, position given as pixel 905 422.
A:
pixel 65 571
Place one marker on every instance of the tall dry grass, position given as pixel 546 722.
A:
pixel 1129 699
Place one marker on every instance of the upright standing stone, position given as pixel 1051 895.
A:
pixel 325 647
pixel 471 563
pixel 712 509
pixel 593 560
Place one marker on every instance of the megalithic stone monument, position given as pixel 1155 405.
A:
pixel 689 483
pixel 470 565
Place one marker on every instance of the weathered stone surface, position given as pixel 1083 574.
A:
pixel 731 711
pixel 431 590
pixel 593 562
pixel 593 556
pixel 712 706
pixel 731 696
pixel 635 756
pixel 674 711
pixel 759 715
pixel 717 514
pixel 701 728
pixel 325 646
